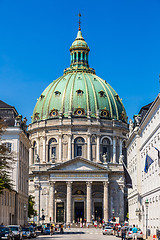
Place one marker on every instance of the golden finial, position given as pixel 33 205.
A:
pixel 79 15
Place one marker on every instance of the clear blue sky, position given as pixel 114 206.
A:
pixel 35 36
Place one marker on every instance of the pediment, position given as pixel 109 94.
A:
pixel 78 164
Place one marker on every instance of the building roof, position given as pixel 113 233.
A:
pixel 144 110
pixel 4 105
pixel 79 92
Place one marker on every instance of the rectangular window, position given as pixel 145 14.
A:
pixel 8 146
pixel 53 151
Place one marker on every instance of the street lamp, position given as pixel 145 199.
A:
pixel 113 212
pixel 43 217
pixel 39 162
pixel 146 204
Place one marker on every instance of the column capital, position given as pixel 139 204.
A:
pixel 105 183
pixel 69 183
pixel 89 183
pixel 37 186
pixel 51 183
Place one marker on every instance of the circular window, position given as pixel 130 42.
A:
pixel 79 112
pixel 53 113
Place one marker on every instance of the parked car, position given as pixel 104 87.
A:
pixel 26 232
pixel 46 231
pixel 6 233
pixel 107 230
pixel 129 234
pixel 16 229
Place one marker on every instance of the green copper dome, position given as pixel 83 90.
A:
pixel 79 92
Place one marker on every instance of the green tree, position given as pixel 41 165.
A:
pixel 31 210
pixel 6 162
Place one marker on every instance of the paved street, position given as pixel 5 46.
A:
pixel 78 233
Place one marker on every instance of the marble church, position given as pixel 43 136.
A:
pixel 78 136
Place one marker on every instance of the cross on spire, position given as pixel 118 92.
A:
pixel 79 15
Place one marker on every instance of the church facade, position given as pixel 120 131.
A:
pixel 78 135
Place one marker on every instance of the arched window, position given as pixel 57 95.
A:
pixel 52 146
pixel 34 151
pixel 106 149
pixel 78 146
pixel 87 58
pixel 83 56
pixel 79 56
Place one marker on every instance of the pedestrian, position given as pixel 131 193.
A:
pixel 134 230
pixel 123 233
pixel 61 228
pixel 69 226
pixel 114 230
pixel 52 230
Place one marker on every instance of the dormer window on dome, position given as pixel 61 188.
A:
pixel 53 113
pixel 57 93
pixel 79 92
pixel 79 111
pixel 101 93
pixel 105 113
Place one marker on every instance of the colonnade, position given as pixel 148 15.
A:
pixel 69 201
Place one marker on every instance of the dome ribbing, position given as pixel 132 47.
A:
pixel 79 92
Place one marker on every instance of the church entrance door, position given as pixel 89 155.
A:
pixel 79 211
pixel 60 212
pixel 98 211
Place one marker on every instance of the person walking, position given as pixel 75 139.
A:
pixel 123 233
pixel 134 230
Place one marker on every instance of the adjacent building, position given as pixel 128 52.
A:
pixel 144 136
pixel 78 135
pixel 14 204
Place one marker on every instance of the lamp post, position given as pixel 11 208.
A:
pixel 38 161
pixel 146 204
pixel 113 212
pixel 42 216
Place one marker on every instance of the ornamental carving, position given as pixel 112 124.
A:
pixel 122 116
pixel 36 116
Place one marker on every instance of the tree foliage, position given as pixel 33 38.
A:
pixel 31 210
pixel 6 162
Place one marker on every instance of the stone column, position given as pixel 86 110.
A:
pixel 44 150
pixel 89 201
pixel 60 148
pixel 105 201
pixel 98 149
pixel 69 147
pixel 38 152
pixel 89 147
pixel 37 199
pixel 120 147
pixel 121 202
pixel 114 150
pixel 69 202
pixel 52 201
pixel 30 156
